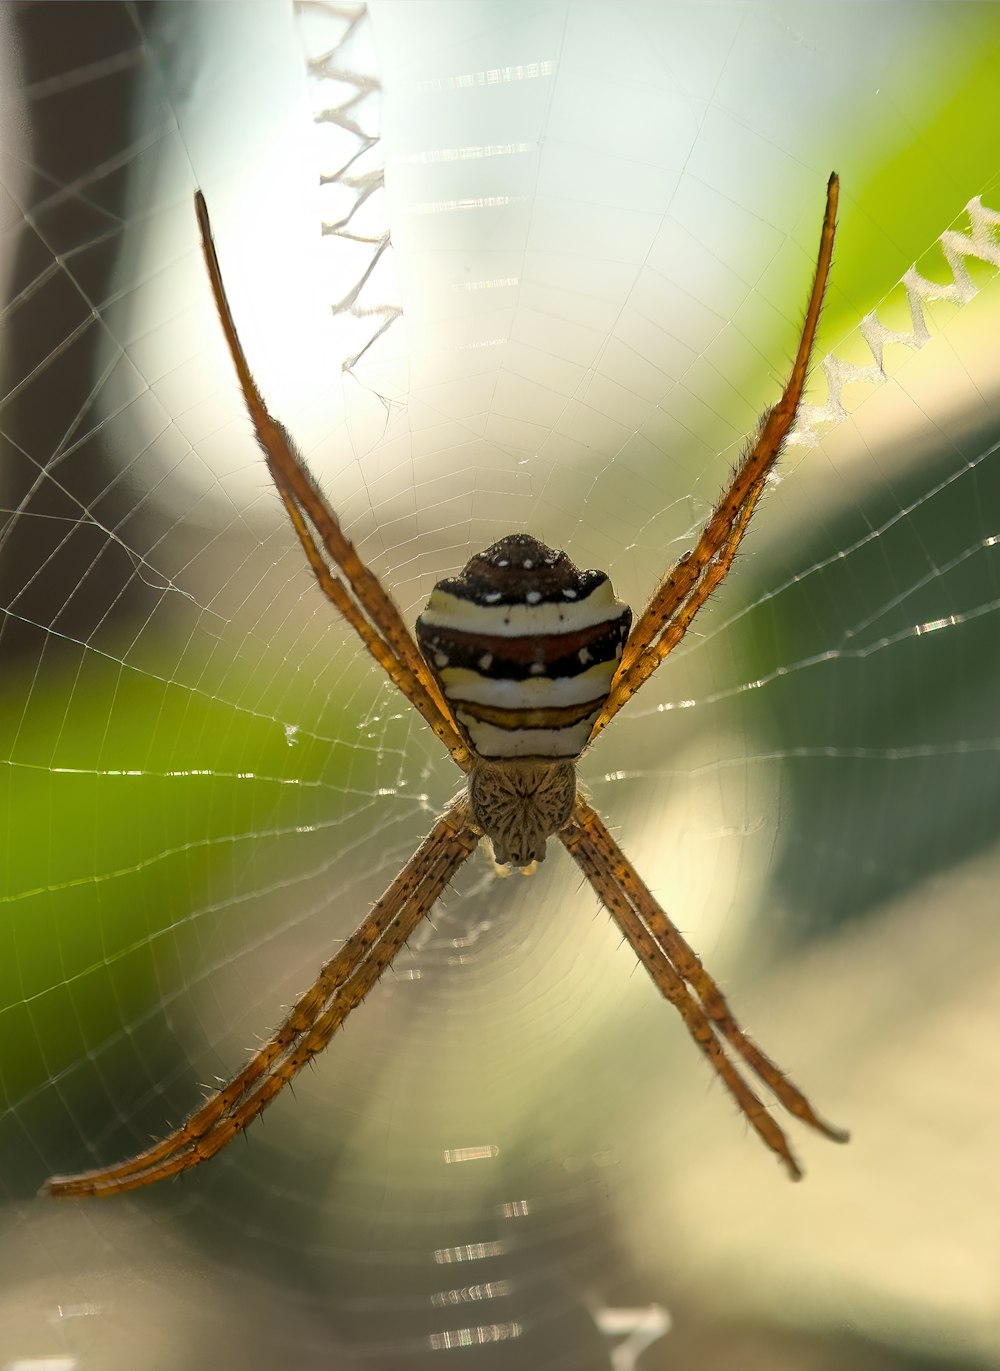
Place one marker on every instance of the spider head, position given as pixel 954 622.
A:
pixel 520 803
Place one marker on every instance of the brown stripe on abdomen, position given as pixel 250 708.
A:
pixel 560 654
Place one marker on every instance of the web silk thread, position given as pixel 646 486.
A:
pixel 981 243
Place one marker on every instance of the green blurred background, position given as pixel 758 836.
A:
pixel 205 787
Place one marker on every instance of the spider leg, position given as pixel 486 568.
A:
pixel 342 984
pixel 352 587
pixel 677 971
pixel 687 962
pixel 692 579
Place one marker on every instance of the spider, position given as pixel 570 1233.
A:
pixel 523 661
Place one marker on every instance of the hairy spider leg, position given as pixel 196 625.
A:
pixel 688 584
pixel 356 591
pixel 341 986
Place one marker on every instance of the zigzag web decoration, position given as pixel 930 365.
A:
pixel 981 243
pixel 345 94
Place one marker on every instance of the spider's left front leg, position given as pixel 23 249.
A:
pixel 680 976
pixel 342 575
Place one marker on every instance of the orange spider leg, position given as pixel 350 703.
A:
pixel 672 963
pixel 341 986
pixel 358 596
pixel 689 965
pixel 693 578
pixel 644 666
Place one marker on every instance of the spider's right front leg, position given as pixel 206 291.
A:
pixel 691 581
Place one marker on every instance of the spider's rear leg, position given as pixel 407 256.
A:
pixel 677 972
pixel 672 987
pixel 689 965
pixel 341 986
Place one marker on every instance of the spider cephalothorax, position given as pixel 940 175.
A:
pixel 525 661
pixel 519 805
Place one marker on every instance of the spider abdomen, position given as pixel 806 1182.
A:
pixel 525 646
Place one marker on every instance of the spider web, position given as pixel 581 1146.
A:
pixel 599 224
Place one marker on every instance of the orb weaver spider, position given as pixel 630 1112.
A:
pixel 523 660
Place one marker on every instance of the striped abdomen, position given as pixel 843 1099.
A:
pixel 524 646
